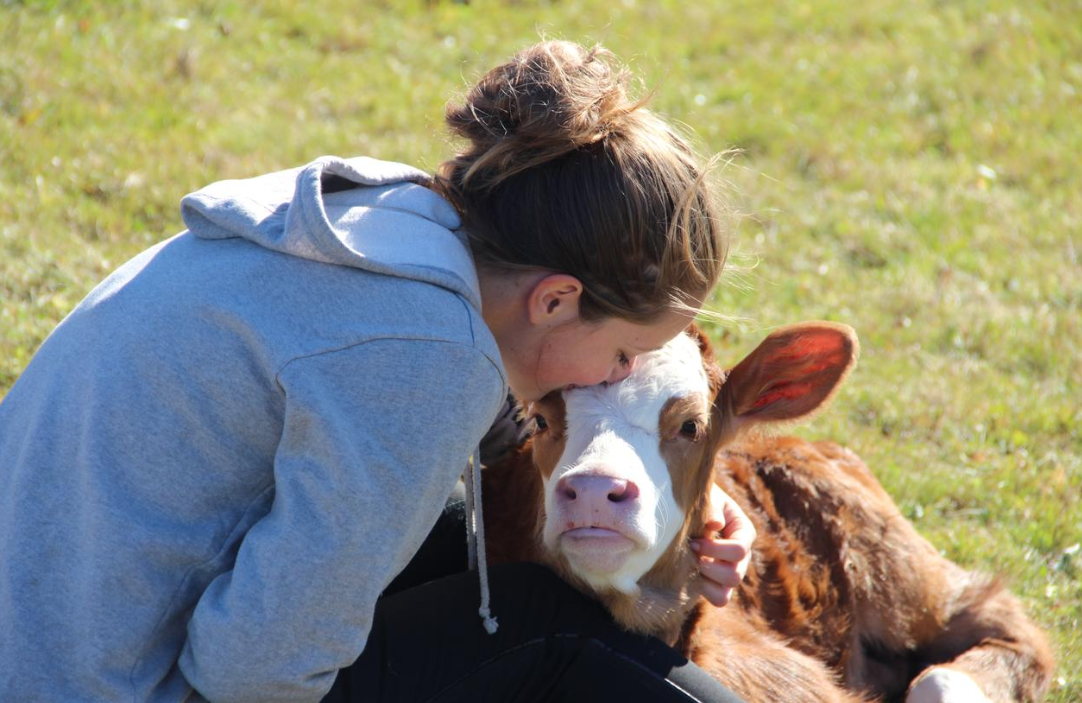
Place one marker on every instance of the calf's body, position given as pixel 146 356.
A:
pixel 843 600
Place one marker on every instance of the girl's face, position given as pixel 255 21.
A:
pixel 584 354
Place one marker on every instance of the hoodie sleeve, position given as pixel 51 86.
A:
pixel 375 437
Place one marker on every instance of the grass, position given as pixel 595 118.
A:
pixel 909 168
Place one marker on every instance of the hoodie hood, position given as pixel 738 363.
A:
pixel 361 212
pixel 366 214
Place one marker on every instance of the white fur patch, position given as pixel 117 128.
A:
pixel 614 430
pixel 943 685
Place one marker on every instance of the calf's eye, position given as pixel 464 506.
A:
pixel 540 422
pixel 690 429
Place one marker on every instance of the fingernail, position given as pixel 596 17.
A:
pixel 695 546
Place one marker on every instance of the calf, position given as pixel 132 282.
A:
pixel 843 600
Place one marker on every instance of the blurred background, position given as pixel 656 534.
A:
pixel 908 167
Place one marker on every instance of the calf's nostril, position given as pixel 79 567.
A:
pixel 618 491
pixel 565 491
pixel 623 491
pixel 595 490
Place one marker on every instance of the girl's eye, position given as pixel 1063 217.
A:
pixel 690 429
pixel 540 422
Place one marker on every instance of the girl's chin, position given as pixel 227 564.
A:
pixel 526 396
pixel 533 392
pixel 524 390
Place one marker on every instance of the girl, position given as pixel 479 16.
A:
pixel 217 463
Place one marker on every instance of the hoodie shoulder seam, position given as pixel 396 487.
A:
pixel 400 338
pixel 469 316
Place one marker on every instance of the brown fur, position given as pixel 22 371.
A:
pixel 843 600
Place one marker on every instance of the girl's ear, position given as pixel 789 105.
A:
pixel 554 300
pixel 791 375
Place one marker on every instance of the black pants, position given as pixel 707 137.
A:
pixel 553 644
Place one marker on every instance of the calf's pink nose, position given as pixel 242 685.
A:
pixel 595 491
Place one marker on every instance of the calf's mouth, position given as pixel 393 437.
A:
pixel 599 550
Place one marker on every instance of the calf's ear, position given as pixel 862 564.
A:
pixel 791 375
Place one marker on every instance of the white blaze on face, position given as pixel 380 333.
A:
pixel 613 433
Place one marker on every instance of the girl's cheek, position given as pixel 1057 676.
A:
pixel 584 377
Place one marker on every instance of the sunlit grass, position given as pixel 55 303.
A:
pixel 909 168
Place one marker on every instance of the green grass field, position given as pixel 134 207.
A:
pixel 909 168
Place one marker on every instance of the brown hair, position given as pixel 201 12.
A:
pixel 564 172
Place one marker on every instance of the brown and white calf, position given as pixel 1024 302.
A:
pixel 843 600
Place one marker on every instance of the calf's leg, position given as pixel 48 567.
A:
pixel 968 633
pixel 758 665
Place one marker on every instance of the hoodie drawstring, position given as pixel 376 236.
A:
pixel 475 537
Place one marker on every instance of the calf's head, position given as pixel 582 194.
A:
pixel 626 468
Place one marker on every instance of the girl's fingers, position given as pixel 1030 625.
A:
pixel 715 594
pixel 737 525
pixel 721 573
pixel 723 562
pixel 726 517
pixel 725 550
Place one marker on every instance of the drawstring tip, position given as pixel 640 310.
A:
pixel 475 538
pixel 489 621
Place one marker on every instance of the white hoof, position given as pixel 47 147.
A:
pixel 942 685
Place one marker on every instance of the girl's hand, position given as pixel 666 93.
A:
pixel 723 562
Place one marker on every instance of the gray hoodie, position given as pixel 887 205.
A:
pixel 212 467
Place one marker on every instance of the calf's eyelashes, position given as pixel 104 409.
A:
pixel 691 430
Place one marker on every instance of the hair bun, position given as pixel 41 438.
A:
pixel 550 99
pixel 564 173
